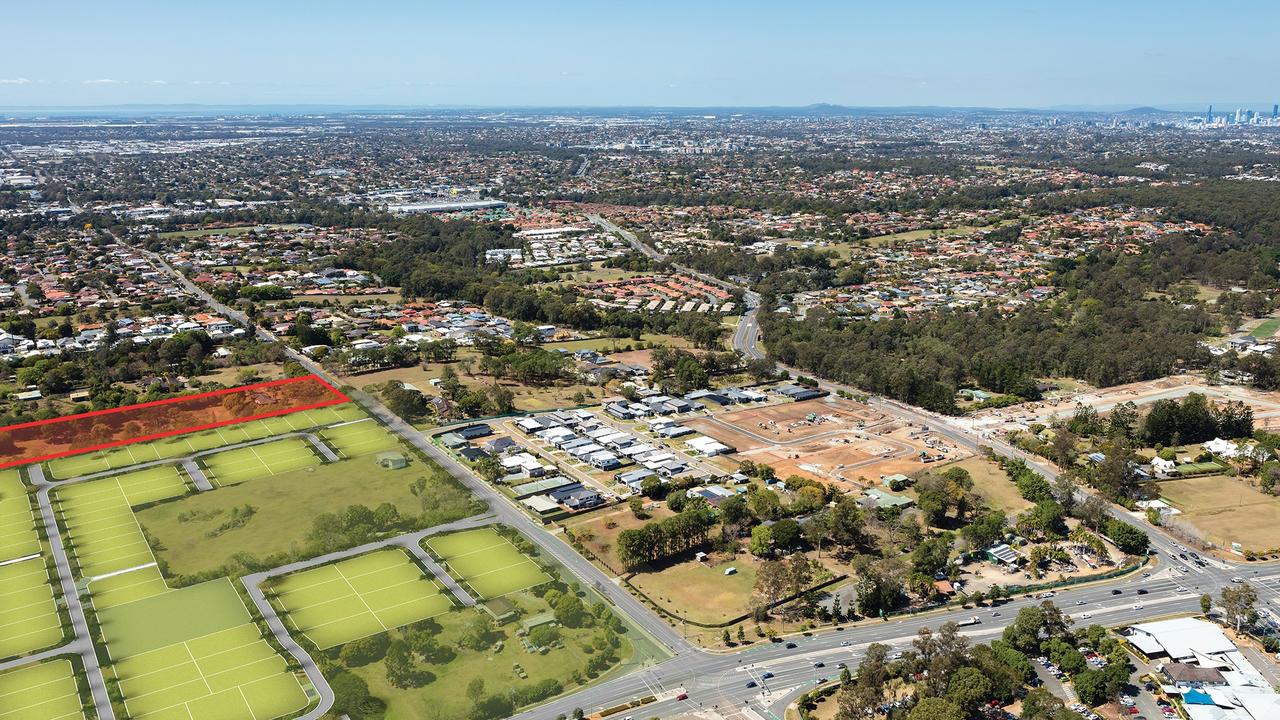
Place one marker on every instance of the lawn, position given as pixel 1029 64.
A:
pixel 46 691
pixel 992 484
pixel 286 505
pixel 924 234
pixel 1267 328
pixel 701 591
pixel 365 595
pixel 1226 510
pixel 487 562
pixel 172 617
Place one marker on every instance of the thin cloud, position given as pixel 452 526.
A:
pixel 209 82
pixel 14 81
pixel 104 81
pixel 157 82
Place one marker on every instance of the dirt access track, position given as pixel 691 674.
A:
pixel 1266 405
pixel 828 439
pixel 101 429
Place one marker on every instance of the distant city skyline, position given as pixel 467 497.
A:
pixel 1091 55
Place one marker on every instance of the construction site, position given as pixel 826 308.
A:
pixel 829 439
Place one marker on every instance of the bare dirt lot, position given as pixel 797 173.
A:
pixel 829 439
pixel 1266 405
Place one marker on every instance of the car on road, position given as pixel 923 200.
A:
pixel 819 663
pixel 1182 555
pixel 1115 592
pixel 1137 606
pixel 1237 579
pixel 791 646
pixel 766 675
pixel 1085 616
pixel 1141 591
pixel 1079 602
pixel 844 643
pixel 683 696
pixel 751 683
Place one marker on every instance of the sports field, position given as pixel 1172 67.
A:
pixel 487 562
pixel 366 595
pixel 184 445
pixel 257 461
pixel 18 536
pixel 194 654
pixel 1266 328
pixel 106 537
pixel 28 611
pixel 359 438
pixel 40 692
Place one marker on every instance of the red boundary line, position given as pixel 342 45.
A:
pixel 338 400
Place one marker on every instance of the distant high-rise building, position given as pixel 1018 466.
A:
pixel 1275 111
pixel 1209 116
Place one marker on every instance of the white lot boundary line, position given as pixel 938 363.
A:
pixel 408 602
pixel 335 569
pixel 125 571
pixel 526 561
pixel 188 640
pixel 362 600
pixel 204 679
pixel 17 560
pixel 447 558
pixel 56 625
pixel 240 689
pixel 313 606
pixel 15 609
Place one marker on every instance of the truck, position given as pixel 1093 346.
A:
pixel 974 620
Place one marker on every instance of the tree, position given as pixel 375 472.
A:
pixel 364 650
pixel 1206 603
pixel 772 580
pixel 1237 602
pixel 968 688
pixel 930 557
pixel 761 541
pixel 786 533
pixel 569 610
pixel 399 665
pixel 1127 537
pixel 935 708
pixel 1091 687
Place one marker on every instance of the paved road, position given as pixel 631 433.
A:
pixel 198 478
pixel 83 643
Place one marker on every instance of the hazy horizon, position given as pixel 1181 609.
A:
pixel 715 54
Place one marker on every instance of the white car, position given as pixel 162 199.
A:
pixel 1085 616
pixel 1137 607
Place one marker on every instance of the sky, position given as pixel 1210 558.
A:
pixel 988 53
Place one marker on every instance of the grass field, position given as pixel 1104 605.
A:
pixel 992 484
pixel 106 537
pixel 924 234
pixel 1267 328
pixel 183 445
pixel 1226 510
pixel 233 467
pixel 364 437
pixel 236 230
pixel 487 562
pixel 28 610
pixel 195 653
pixel 359 597
pixel 701 591
pixel 1200 467
pixel 286 506
pixel 18 537
pixel 40 692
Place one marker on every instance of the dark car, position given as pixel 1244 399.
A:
pixel 1141 591
pixel 766 675
pixel 791 646
pixel 1115 592
pixel 682 696
pixel 819 663
pixel 751 683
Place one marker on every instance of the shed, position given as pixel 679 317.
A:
pixel 392 461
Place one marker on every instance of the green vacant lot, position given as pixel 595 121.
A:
pixel 40 692
pixel 359 597
pixel 197 534
pixel 1267 328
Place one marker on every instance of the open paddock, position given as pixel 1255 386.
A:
pixel 1224 510
pixel 362 596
